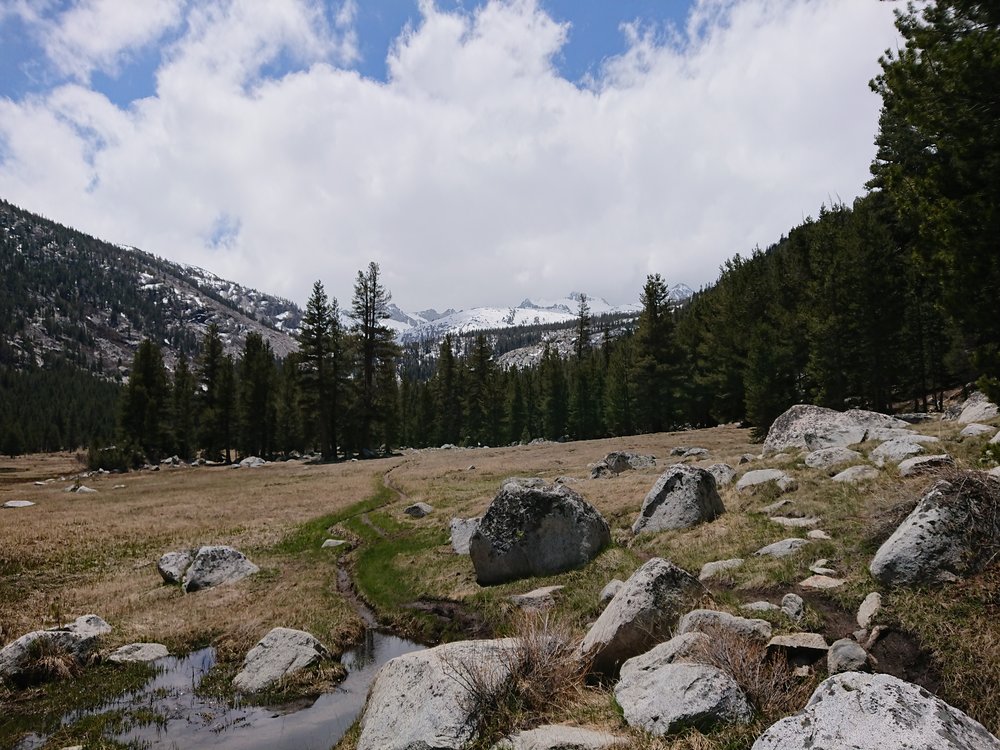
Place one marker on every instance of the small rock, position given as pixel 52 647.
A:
pixel 333 543
pixel 869 609
pixel 692 452
pixel 769 509
pixel 724 474
pixel 709 569
pixel 172 565
pixel 710 621
pixel 560 737
pixel 822 582
pixel 84 490
pixel 760 607
pixel 418 510
pixel 18 504
pixel 818 534
pixel 610 590
pixel 877 632
pixel 846 655
pixel 975 430
pixel 753 480
pixel 995 439
pixel 799 642
pixel 139 652
pixel 925 464
pixel 784 548
pixel 541 598
pixel 678 451
pixel 856 475
pixel 251 462
pixel 794 606
pixel 747 458
pixel 826 458
pixel 794 523
pixel 894 451
pixel 822 566
pixel 279 654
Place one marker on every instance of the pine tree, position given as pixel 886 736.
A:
pixel 212 395
pixel 655 369
pixel 257 398
pixel 184 416
pixel 554 394
pixel 145 416
pixel 322 369
pixel 447 398
pixel 376 344
pixel 582 343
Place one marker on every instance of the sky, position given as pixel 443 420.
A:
pixel 480 152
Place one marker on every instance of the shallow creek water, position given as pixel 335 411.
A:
pixel 193 722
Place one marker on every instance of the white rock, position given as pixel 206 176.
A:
pixel 560 737
pixel 818 534
pixel 279 654
pixel 784 548
pixel 418 510
pixel 332 543
pixel 641 614
pixel 975 430
pixel 793 605
pixel 752 480
pixel 724 474
pixel 978 408
pixel 684 647
pixel 822 582
pixel 78 638
pixel 795 641
pixel 677 696
pixel 709 569
pixel 760 607
pixel 894 451
pixel 138 652
pixel 172 565
pixel 711 621
pixel 857 475
pixel 791 522
pixel 18 504
pixel 540 598
pixel 857 711
pixel 610 590
pixel 995 439
pixel 826 458
pixel 924 464
pixel 813 428
pixel 462 530
pixel 906 436
pixel 420 699
pixel 216 565
pixel 869 609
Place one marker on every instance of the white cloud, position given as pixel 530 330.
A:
pixel 476 174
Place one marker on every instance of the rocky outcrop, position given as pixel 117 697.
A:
pixel 753 480
pixel 936 542
pixel 217 565
pixel 856 711
pixel 462 530
pixel 640 615
pixel 678 696
pixel 78 639
pixel 813 427
pixel 419 701
pixel 536 531
pixel 279 654
pixel 826 458
pixel 683 496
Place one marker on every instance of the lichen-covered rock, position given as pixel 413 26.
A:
pixel 683 496
pixel 857 711
pixel 784 548
pixel 420 701
pixel 825 458
pixel 978 408
pixel 618 461
pixel 724 474
pixel 933 543
pixel 640 615
pixel 894 451
pixel 814 427
pixel 678 696
pixel 536 531
pixel 217 565
pixel 753 480
pixel 794 606
pixel 172 565
pixel 683 647
pixel 279 654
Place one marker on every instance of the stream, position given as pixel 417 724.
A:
pixel 195 722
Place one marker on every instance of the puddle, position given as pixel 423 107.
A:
pixel 193 722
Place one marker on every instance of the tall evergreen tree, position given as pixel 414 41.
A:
pixel 322 369
pixel 212 382
pixel 145 416
pixel 656 365
pixel 184 409
pixel 257 397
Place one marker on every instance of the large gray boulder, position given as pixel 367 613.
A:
pixel 172 565
pixel 826 458
pixel 77 639
pixel 857 711
pixel 421 700
pixel 640 615
pixel 279 654
pixel 814 427
pixel 536 531
pixel 462 530
pixel 678 696
pixel 560 737
pixel 978 408
pixel 934 543
pixel 975 430
pixel 683 496
pixel 618 461
pixel 217 565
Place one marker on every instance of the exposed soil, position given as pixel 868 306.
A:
pixel 899 654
